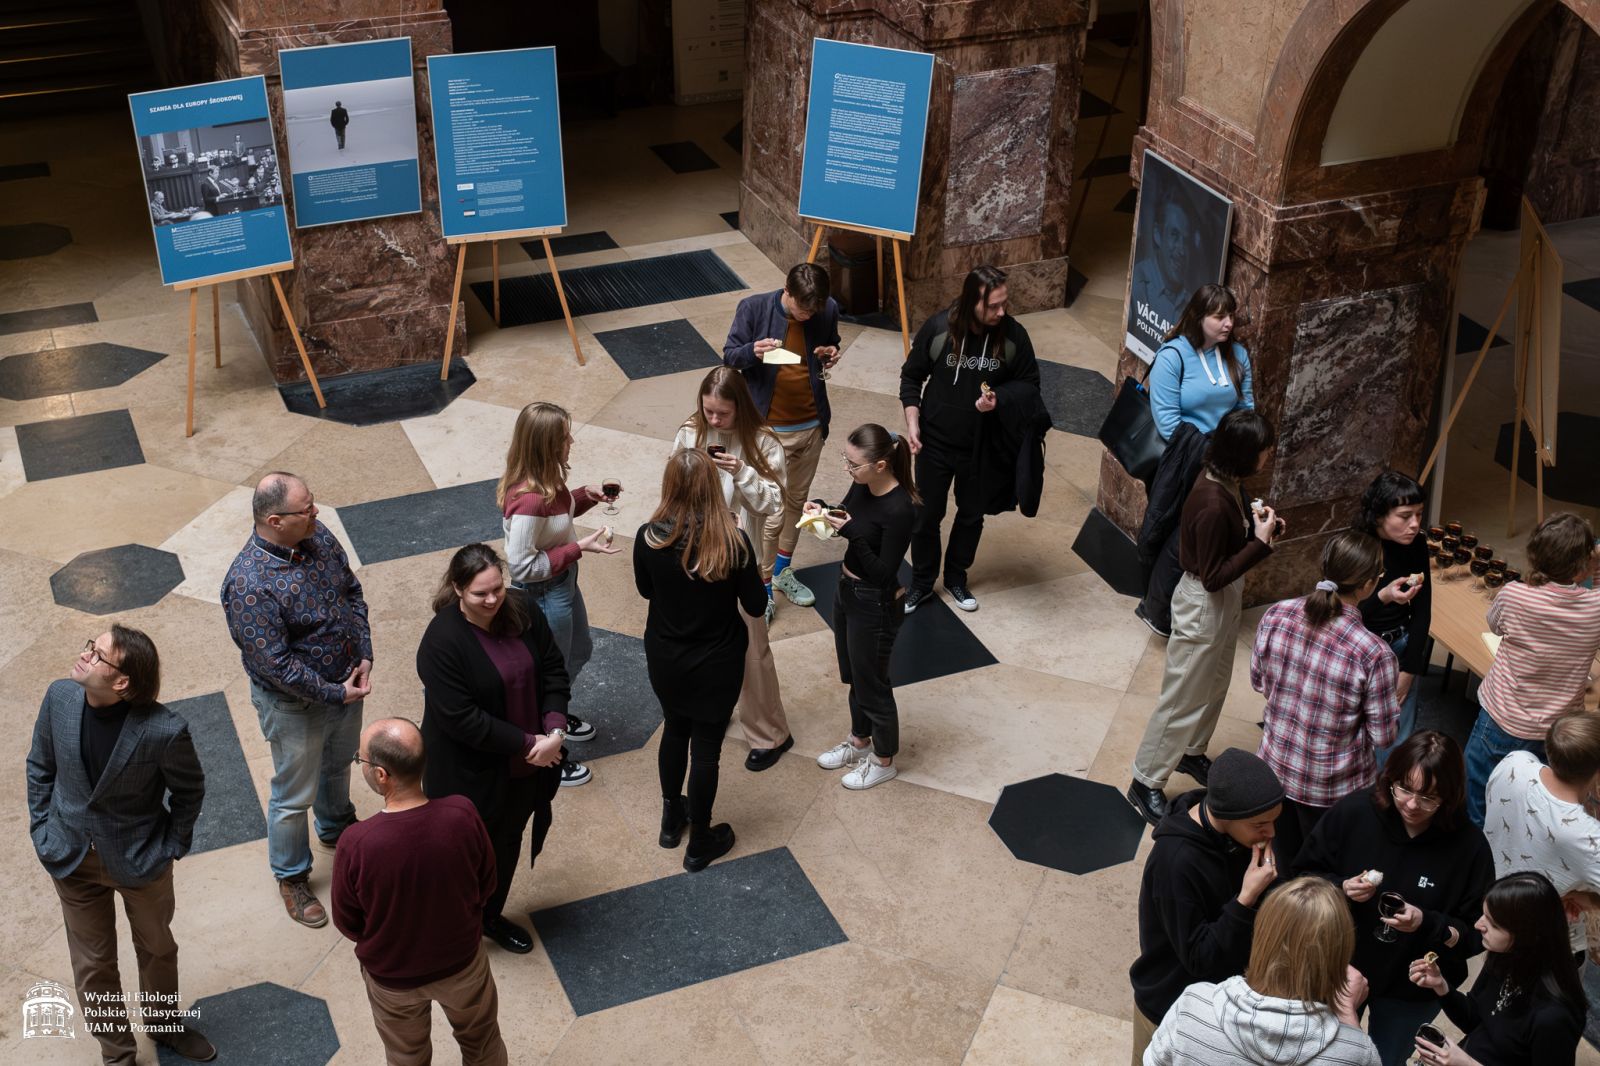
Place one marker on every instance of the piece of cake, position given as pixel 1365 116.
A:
pixel 1373 877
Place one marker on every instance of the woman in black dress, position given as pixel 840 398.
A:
pixel 495 701
pixel 697 569
pixel 1527 1007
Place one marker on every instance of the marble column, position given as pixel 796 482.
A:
pixel 997 169
pixel 366 295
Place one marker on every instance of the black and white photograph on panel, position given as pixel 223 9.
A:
pixel 1180 243
pixel 208 171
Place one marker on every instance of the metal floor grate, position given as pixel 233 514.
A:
pixel 611 287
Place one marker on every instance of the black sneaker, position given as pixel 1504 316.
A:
pixel 1138 612
pixel 1151 803
pixel 916 598
pixel 578 729
pixel 962 598
pixel 1197 767
pixel 508 934
pixel 574 773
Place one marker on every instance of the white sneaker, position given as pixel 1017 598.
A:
pixel 841 755
pixel 868 772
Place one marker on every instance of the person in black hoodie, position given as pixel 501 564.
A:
pixel 1410 836
pixel 947 384
pixel 1210 866
pixel 1399 612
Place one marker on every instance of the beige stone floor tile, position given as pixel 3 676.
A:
pixel 727 238
pixel 518 366
pixel 870 362
pixel 351 464
pixel 691 1026
pixel 609 592
pixel 1102 645
pixel 1113 762
pixel 637 461
pixel 1022 1029
pixel 1103 314
pixel 851 408
pixel 43 409
pixel 857 1003
pixel 1017 551
pixel 976 732
pixel 1061 338
pixel 649 314
pixel 1076 460
pixel 751 264
pixel 234 437
pixel 464 443
pixel 12 476
pixel 28 341
pixel 15 983
pixel 28 607
pixel 1080 937
pixel 653 407
pixel 61 517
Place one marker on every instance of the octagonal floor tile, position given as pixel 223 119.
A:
pixel 118 579
pixel 263 1023
pixel 1067 823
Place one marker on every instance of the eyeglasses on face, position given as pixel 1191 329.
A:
pixel 304 512
pixel 852 467
pixel 1427 803
pixel 95 658
pixel 356 760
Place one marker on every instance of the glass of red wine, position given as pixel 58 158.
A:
pixel 1390 904
pixel 611 488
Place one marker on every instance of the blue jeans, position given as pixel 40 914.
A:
pixel 312 744
pixel 1408 709
pixel 1487 745
pixel 1392 1025
pixel 562 603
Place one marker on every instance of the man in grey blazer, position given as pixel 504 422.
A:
pixel 104 756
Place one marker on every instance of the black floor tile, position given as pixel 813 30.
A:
pixel 18 171
pixel 113 580
pixel 57 371
pixel 62 447
pixel 1078 399
pixel 1129 201
pixel 47 318
pixel 1577 443
pixel 658 348
pixel 1076 280
pixel 422 522
pixel 681 930
pixel 731 218
pixel 874 319
pixel 684 157
pixel 614 693
pixel 611 287
pixel 1067 823
pixel 932 643
pixel 734 138
pixel 1110 553
pixel 373 396
pixel 262 1023
pixel 1586 291
pixel 1107 166
pixel 1092 106
pixel 232 812
pixel 32 239
pixel 1470 335
pixel 569 244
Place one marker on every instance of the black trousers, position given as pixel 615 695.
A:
pixel 936 468
pixel 524 798
pixel 1163 579
pixel 340 131
pixel 1293 829
pixel 691 746
pixel 866 620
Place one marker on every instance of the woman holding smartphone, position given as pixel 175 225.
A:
pixel 879 512
pixel 542 547
pixel 1527 1007
pixel 749 460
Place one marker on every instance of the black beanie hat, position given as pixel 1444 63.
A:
pixel 1241 786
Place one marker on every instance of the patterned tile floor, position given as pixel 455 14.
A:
pixel 908 931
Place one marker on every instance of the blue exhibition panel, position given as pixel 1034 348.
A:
pixel 866 121
pixel 194 249
pixel 497 141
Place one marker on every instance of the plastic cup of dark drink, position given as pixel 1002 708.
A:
pixel 715 450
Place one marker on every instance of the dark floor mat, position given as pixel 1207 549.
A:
pixel 611 287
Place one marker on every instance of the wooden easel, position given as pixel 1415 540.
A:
pixel 494 240
pixel 1527 288
pixel 899 272
pixel 194 287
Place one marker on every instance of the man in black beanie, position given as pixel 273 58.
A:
pixel 1210 866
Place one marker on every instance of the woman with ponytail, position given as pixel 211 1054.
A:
pixel 1330 685
pixel 879 512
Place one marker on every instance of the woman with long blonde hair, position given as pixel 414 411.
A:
pixel 542 548
pixel 749 460
pixel 697 569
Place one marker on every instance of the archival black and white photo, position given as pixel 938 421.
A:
pixel 354 124
pixel 1180 243
pixel 207 171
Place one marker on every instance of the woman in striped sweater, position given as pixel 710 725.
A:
pixel 542 548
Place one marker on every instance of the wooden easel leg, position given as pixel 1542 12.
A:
pixel 494 256
pixel 1461 397
pixel 877 242
pixel 216 324
pixel 294 331
pixel 1517 418
pixel 455 306
pixel 816 243
pixel 561 294
pixel 900 289
pixel 188 407
pixel 1538 385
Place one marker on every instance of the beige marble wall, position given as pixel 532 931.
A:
pixel 1229 49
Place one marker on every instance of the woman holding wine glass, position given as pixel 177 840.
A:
pixel 1527 1007
pixel 542 547
pixel 749 460
pixel 1408 836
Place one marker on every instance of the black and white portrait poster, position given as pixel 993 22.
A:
pixel 1180 243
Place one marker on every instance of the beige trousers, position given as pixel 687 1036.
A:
pixel 1205 629
pixel 1144 1030
pixel 801 451
pixel 760 706
pixel 404 1016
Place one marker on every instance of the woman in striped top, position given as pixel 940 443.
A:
pixel 542 549
pixel 1549 631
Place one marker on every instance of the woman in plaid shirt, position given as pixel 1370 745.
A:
pixel 1330 685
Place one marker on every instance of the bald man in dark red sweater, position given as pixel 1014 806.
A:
pixel 409 885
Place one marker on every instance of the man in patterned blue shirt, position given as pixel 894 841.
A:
pixel 295 609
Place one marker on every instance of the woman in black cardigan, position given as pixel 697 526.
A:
pixel 495 702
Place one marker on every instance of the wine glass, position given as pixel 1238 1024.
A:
pixel 1494 579
pixel 1479 567
pixel 1389 905
pixel 1484 552
pixel 1435 533
pixel 1453 528
pixel 1513 575
pixel 1447 556
pixel 611 488
pixel 1469 540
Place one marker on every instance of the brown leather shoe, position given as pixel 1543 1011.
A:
pixel 301 903
pixel 189 1043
